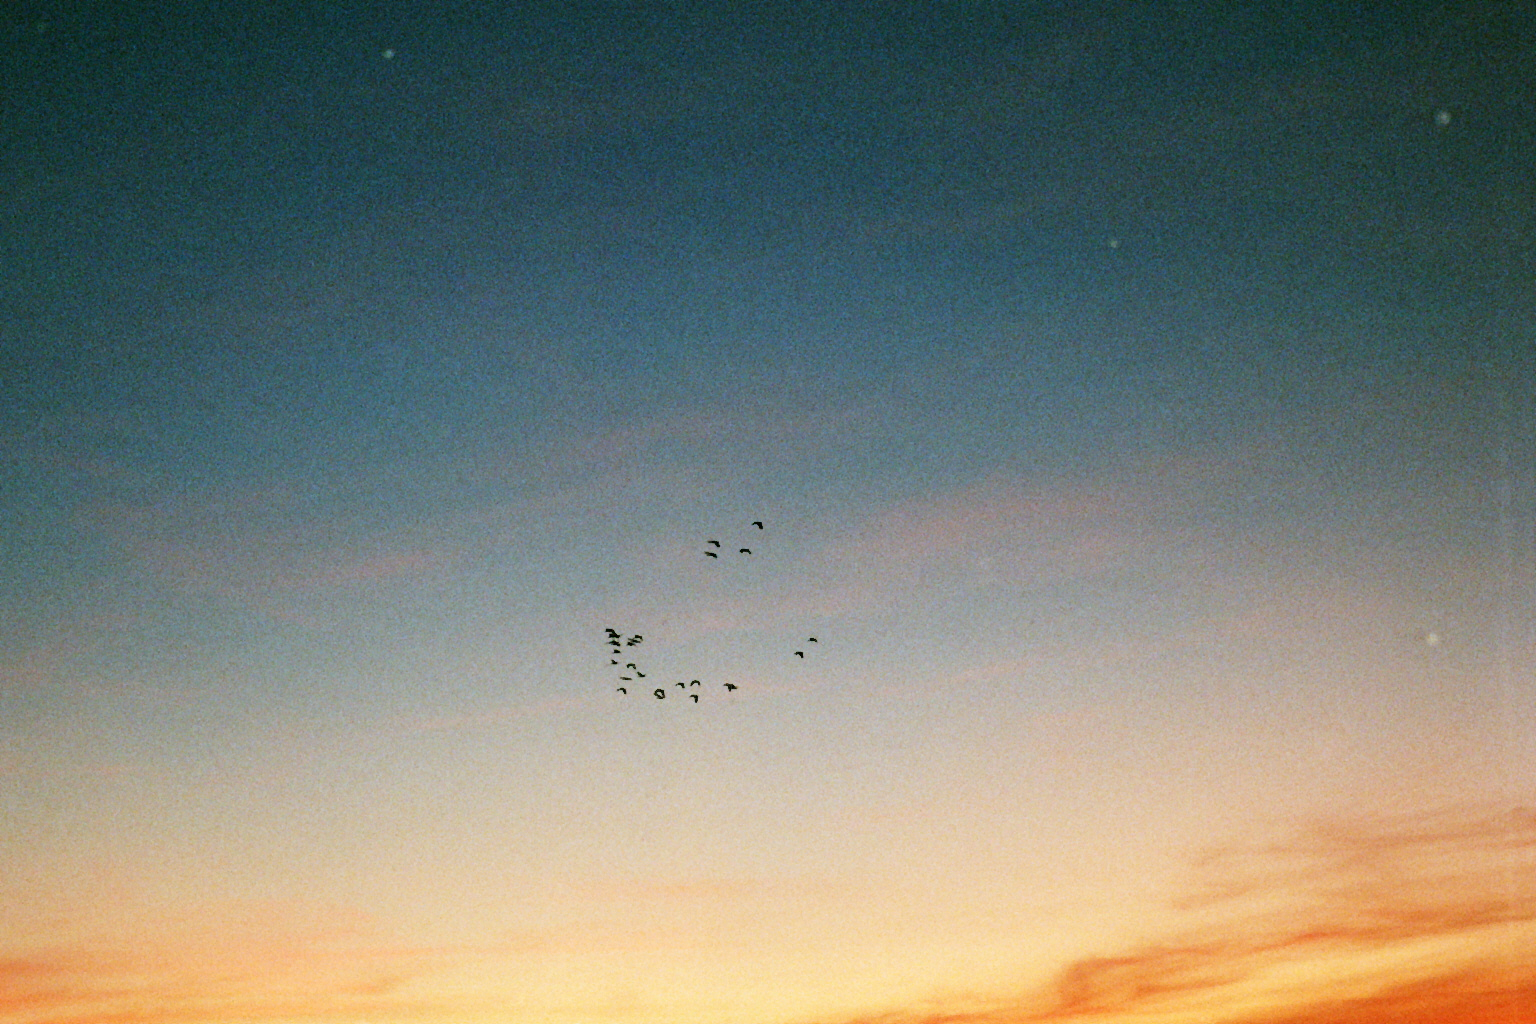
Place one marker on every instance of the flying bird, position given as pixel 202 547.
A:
pixel 678 685
pixel 730 686
pixel 757 523
pixel 695 697
pixel 800 654
pixel 746 551
pixel 627 679
pixel 622 690
pixel 810 640
pixel 710 554
pixel 639 674
pixel 694 683
pixel 714 542
pixel 660 693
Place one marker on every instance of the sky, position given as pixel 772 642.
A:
pixel 1136 400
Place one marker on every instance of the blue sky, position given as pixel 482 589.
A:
pixel 1136 402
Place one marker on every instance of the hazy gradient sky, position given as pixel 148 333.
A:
pixel 1138 400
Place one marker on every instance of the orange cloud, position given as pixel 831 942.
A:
pixel 1084 524
pixel 246 560
pixel 265 968
pixel 1411 920
pixel 385 565
pixel 1403 921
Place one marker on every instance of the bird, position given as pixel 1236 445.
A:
pixel 746 551
pixel 660 693
pixel 627 679
pixel 611 632
pixel 757 523
pixel 730 686
pixel 800 654
pixel 810 640
pixel 710 554
pixel 622 690
pixel 639 674
pixel 695 697
pixel 694 683
pixel 679 685
pixel 613 661
pixel 714 542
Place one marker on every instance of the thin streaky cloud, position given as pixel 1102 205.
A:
pixel 722 890
pixel 232 966
pixel 1428 917
pixel 720 428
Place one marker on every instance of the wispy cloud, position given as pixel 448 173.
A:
pixel 997 532
pixel 244 962
pixel 254 543
pixel 1090 522
pixel 1418 918
pixel 722 890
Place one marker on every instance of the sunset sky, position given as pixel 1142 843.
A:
pixel 1137 400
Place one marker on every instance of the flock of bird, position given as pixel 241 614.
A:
pixel 716 544
pixel 617 643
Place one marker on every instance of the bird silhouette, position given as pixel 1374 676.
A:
pixel 800 654
pixel 678 685
pixel 811 640
pixel 630 664
pixel 757 523
pixel 746 551
pixel 710 554
pixel 694 683
pixel 639 674
pixel 730 686
pixel 695 697
pixel 660 693
pixel 627 679
pixel 613 661
pixel 622 690
pixel 714 542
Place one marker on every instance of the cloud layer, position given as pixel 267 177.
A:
pixel 1409 919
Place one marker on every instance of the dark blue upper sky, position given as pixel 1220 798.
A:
pixel 1139 398
pixel 162 156
pixel 243 236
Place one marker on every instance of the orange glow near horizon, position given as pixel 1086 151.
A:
pixel 1404 921
pixel 957 513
